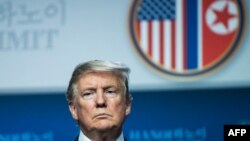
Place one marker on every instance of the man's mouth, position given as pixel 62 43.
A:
pixel 102 116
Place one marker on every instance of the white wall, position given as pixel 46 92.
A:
pixel 40 55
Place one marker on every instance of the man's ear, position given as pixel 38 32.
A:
pixel 73 111
pixel 128 108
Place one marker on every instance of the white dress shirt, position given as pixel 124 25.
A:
pixel 82 137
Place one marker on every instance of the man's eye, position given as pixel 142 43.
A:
pixel 88 95
pixel 111 93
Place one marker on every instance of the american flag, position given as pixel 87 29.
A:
pixel 174 33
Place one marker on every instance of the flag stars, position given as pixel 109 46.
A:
pixel 223 16
pixel 156 10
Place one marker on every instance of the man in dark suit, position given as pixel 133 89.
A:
pixel 99 100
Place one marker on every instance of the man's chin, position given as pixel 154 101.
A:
pixel 104 125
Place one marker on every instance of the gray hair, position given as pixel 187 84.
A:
pixel 121 70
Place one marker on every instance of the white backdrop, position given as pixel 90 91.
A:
pixel 42 41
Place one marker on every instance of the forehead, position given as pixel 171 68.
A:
pixel 98 77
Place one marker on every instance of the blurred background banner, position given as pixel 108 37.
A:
pixel 42 41
pixel 189 63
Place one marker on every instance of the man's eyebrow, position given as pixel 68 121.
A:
pixel 88 88
pixel 108 86
pixel 103 87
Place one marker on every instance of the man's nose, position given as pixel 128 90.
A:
pixel 100 99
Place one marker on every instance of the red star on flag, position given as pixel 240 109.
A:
pixel 223 16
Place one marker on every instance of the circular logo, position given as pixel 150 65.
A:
pixel 184 37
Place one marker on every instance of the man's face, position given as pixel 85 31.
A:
pixel 100 102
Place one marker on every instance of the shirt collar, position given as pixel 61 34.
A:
pixel 82 137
